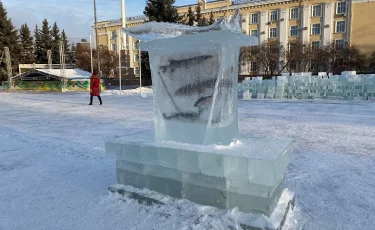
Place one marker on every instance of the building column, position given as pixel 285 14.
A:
pixel 283 27
pixel 306 28
pixel 109 40
pixel 131 52
pixel 263 28
pixel 328 25
pixel 119 41
pixel 245 21
pixel 349 21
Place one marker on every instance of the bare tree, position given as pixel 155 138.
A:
pixel 271 56
pixel 300 54
pixel 108 60
pixel 334 58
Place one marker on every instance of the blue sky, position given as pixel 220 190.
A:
pixel 75 16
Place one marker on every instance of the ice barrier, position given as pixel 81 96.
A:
pixel 197 153
pixel 347 86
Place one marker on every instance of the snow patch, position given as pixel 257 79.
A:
pixel 145 92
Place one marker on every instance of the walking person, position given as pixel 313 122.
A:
pixel 95 88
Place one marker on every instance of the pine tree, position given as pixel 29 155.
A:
pixel 8 38
pixel 45 40
pixel 198 15
pixel 190 17
pixel 65 41
pixel 38 53
pixel 212 19
pixel 72 54
pixel 27 46
pixel 162 11
pixel 55 33
pixel 66 47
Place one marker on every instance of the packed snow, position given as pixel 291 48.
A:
pixel 54 173
pixel 72 74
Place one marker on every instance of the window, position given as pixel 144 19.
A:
pixel 113 47
pixel 315 28
pixel 136 70
pixel 274 16
pixel 340 26
pixel 341 8
pixel 254 33
pixel 292 65
pixel 254 18
pixel 273 32
pixel 317 10
pixel 315 45
pixel 339 43
pixel 253 67
pixel 136 57
pixel 292 47
pixel 294 31
pixel 294 13
pixel 113 34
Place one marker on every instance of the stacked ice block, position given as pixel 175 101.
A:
pixel 248 175
pixel 347 86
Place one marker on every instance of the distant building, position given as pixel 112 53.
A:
pixel 83 44
pixel 320 22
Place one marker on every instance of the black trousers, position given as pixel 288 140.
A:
pixel 92 97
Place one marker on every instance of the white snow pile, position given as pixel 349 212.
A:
pixel 69 73
pixel 54 174
pixel 145 92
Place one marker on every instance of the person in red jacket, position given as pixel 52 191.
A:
pixel 95 88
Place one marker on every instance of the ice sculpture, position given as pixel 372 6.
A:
pixel 197 153
pixel 160 30
pixel 195 87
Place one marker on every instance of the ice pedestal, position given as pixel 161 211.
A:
pixel 248 174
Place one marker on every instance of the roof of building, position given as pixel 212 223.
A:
pixel 45 74
pixel 69 73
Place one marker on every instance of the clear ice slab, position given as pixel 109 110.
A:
pixel 195 86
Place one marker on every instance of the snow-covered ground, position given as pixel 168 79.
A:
pixel 53 173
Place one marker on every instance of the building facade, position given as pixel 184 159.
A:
pixel 319 22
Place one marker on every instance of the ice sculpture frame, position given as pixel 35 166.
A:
pixel 197 153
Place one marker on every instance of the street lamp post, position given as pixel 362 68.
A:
pixel 119 59
pixel 97 37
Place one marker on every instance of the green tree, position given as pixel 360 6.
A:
pixel 72 54
pixel 55 34
pixel 190 17
pixel 198 15
pixel 45 41
pixel 64 38
pixel 8 38
pixel 27 46
pixel 38 53
pixel 145 69
pixel 162 11
pixel 212 19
